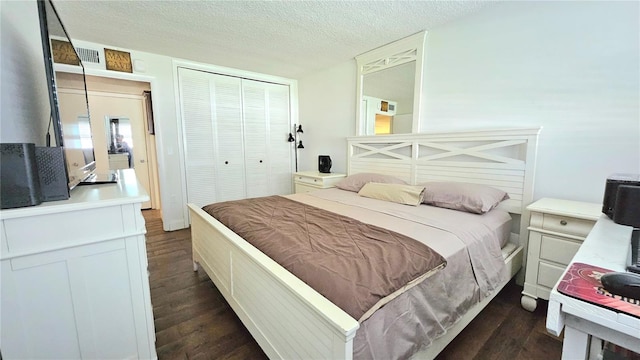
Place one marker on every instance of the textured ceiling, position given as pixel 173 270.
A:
pixel 285 38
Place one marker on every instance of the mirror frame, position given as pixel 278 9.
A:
pixel 396 53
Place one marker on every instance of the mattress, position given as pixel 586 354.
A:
pixel 470 243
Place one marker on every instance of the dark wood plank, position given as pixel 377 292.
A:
pixel 193 321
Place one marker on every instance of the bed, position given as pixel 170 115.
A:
pixel 289 319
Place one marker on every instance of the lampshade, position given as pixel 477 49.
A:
pixel 627 206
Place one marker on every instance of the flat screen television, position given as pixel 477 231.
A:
pixel 70 119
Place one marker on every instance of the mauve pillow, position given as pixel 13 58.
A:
pixel 355 182
pixel 398 193
pixel 473 198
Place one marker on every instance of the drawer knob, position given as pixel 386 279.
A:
pixel 563 222
pixel 314 180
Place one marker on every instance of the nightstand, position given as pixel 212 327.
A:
pixel 557 228
pixel 306 181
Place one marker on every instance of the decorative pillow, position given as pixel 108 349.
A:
pixel 398 193
pixel 355 182
pixel 473 198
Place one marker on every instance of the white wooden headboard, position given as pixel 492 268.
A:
pixel 504 159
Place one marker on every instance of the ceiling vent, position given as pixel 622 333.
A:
pixel 88 55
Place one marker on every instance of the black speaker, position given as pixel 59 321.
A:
pixel 52 173
pixel 627 208
pixel 19 181
pixel 324 164
pixel 611 190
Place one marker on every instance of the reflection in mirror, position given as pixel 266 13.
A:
pixel 394 85
pixel 120 142
pixel 391 75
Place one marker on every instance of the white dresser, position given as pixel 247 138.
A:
pixel 74 276
pixel 306 181
pixel 556 230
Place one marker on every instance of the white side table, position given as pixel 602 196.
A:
pixel 306 181
pixel 556 230
pixel 607 246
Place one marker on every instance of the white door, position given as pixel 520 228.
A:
pixel 266 128
pixel 256 131
pixel 199 149
pixel 280 150
pixel 227 136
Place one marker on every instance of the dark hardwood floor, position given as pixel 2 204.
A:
pixel 193 321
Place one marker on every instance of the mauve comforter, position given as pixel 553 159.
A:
pixel 355 265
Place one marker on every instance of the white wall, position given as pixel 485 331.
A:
pixel 24 105
pixel 571 67
pixel 327 112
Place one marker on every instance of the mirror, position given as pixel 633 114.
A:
pixel 395 86
pixel 120 142
pixel 390 87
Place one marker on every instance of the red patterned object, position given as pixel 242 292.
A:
pixel 582 281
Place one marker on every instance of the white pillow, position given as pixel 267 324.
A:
pixel 398 193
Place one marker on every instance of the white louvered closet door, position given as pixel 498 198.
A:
pixel 235 133
pixel 280 150
pixel 256 133
pixel 211 107
pixel 227 127
pixel 195 107
pixel 266 126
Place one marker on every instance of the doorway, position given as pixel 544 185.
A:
pixel 122 102
pixel 120 117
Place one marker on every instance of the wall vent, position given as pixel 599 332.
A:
pixel 88 55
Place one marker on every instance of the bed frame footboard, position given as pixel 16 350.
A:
pixel 287 318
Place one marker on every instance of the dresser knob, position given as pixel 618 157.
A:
pixel 226 162
pixel 563 222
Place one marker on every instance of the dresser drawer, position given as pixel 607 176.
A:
pixel 558 250
pixel 567 225
pixel 548 274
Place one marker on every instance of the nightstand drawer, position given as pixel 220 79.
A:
pixel 548 274
pixel 558 250
pixel 306 181
pixel 318 181
pixel 567 225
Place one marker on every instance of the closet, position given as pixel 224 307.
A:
pixel 235 137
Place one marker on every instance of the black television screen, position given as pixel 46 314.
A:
pixel 70 119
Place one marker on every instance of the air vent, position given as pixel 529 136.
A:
pixel 88 55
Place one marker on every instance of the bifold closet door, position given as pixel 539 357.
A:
pixel 211 109
pixel 235 137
